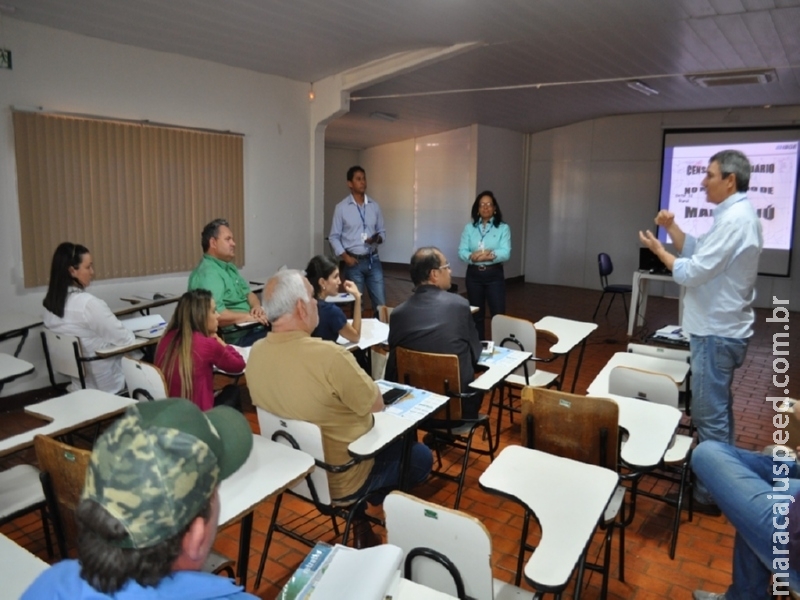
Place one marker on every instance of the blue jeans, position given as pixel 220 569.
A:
pixel 714 359
pixel 369 271
pixel 486 286
pixel 741 483
pixel 385 472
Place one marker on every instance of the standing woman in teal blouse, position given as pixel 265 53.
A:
pixel 485 246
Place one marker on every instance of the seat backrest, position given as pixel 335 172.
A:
pixel 582 428
pixel 143 380
pixel 605 266
pixel 437 373
pixel 61 349
pixel 645 385
pixel 414 523
pixel 517 334
pixel 308 438
pixel 65 466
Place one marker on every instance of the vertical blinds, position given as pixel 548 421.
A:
pixel 137 195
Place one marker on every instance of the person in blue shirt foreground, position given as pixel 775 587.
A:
pixel 758 494
pixel 719 271
pixel 150 507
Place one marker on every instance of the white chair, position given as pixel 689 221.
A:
pixel 661 389
pixel 314 488
pixel 518 334
pixel 20 493
pixel 143 380
pixel 685 389
pixel 421 529
pixel 584 429
pixel 63 355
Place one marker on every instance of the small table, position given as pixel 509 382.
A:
pixel 18 568
pixel 650 430
pixel 12 367
pixel 675 369
pixel 271 468
pixel 569 334
pixel 67 413
pixel 373 333
pixel 641 282
pixel 143 305
pixel 567 497
pixel 396 419
pixel 500 365
pixel 343 298
pixel 137 344
pixel 15 324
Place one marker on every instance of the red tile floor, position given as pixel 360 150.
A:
pixel 703 556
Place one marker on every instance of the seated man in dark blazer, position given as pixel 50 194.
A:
pixel 434 320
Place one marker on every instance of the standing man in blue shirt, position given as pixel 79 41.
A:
pixel 719 272
pixel 356 232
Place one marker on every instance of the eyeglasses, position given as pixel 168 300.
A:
pixel 486 204
pixel 445 266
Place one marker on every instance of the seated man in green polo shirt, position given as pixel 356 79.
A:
pixel 234 301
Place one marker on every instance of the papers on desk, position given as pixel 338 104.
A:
pixel 343 573
pixel 148 326
pixel 373 333
pixel 673 333
pixel 243 351
pixel 414 406
pixel 497 357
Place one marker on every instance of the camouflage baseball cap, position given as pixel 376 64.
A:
pixel 158 465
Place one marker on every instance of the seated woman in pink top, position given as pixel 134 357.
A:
pixel 191 348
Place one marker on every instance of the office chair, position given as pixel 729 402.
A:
pixel 606 267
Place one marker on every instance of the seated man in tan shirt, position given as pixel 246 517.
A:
pixel 295 376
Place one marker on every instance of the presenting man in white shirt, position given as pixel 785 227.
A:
pixel 719 271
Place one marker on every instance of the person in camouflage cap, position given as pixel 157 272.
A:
pixel 150 506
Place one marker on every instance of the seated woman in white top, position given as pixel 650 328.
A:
pixel 71 310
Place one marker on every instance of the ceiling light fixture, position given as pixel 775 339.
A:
pixel 311 94
pixel 642 87
pixel 737 77
pixel 384 116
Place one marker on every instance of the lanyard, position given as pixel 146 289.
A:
pixel 362 214
pixel 483 233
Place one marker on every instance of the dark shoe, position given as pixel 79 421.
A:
pixel 711 510
pixel 363 536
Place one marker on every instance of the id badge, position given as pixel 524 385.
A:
pixel 480 246
pixel 364 236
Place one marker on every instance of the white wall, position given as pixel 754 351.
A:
pixel 426 187
pixel 62 71
pixel 501 168
pixel 390 181
pixel 337 161
pixel 593 185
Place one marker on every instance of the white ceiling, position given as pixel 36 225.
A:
pixel 524 42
